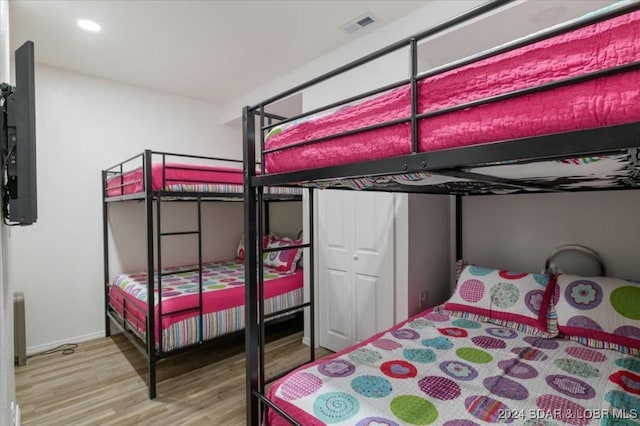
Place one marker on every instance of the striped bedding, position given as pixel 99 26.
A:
pixel 222 300
pixel 444 370
pixel 176 177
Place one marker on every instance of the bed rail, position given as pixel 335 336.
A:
pixel 127 180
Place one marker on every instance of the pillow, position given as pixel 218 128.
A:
pixel 600 312
pixel 511 299
pixel 283 260
pixel 240 249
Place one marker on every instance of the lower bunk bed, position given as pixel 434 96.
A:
pixel 185 320
pixel 462 365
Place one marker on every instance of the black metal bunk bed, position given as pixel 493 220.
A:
pixel 462 167
pixel 121 184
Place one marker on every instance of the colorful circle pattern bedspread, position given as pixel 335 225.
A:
pixel 184 279
pixel 450 371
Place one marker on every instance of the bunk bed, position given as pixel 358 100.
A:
pixel 200 301
pixel 555 111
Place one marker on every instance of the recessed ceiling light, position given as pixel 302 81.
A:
pixel 88 25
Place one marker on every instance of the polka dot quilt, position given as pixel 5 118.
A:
pixel 444 370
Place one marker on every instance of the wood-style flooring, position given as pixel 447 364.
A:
pixel 104 382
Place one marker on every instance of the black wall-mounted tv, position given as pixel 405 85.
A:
pixel 18 142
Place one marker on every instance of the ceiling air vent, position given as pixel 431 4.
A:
pixel 359 23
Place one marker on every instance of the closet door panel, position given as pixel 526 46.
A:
pixel 338 319
pixel 335 277
pixel 356 265
pixel 373 258
pixel 366 301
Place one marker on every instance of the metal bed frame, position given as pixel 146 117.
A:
pixel 147 346
pixel 451 162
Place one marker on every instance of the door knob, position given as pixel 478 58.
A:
pixel 355 257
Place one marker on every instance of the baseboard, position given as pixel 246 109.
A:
pixel 306 341
pixel 47 346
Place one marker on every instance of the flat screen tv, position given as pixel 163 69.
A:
pixel 18 142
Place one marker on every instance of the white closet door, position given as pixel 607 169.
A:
pixel 373 261
pixel 335 234
pixel 356 266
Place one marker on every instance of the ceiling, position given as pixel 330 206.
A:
pixel 217 50
pixel 210 50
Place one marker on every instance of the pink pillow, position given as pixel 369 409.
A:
pixel 511 299
pixel 600 312
pixel 240 249
pixel 283 260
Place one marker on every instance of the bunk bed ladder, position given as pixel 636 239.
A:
pixel 309 304
pixel 160 236
pixel 257 224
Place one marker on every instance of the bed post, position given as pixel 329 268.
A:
pixel 105 249
pixel 458 213
pixel 151 336
pixel 201 313
pixel 250 263
pixel 312 276
pixel 414 95
pixel 260 203
pixel 158 230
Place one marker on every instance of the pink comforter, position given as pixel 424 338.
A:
pixel 222 285
pixel 602 102
pixel 176 176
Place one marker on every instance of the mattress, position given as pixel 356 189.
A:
pixel 442 370
pixel 578 173
pixel 605 101
pixel 222 300
pixel 176 177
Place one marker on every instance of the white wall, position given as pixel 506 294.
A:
pixel 422 231
pixel 429 15
pixel 429 260
pixel 7 375
pixel 519 231
pixel 84 125
pixel 286 218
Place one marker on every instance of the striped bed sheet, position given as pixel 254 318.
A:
pixel 178 177
pixel 222 300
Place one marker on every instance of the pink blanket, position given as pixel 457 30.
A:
pixel 222 286
pixel 178 177
pixel 602 102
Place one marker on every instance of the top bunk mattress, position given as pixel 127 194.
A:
pixel 605 101
pixel 178 177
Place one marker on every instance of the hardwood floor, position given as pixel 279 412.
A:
pixel 104 383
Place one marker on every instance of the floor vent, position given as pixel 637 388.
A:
pixel 19 330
